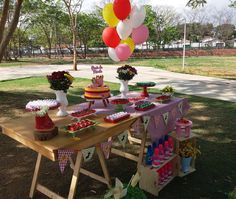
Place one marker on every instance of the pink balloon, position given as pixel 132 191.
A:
pixel 123 52
pixel 140 34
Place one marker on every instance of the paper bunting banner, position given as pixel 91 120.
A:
pixel 156 120
pixel 88 153
pixel 180 106
pixel 146 120
pixel 174 113
pixel 166 117
pixel 123 137
pixel 106 148
pixel 136 125
pixel 63 157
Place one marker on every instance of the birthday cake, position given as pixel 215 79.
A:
pixel 97 90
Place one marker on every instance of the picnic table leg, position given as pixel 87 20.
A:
pixel 103 165
pixel 90 104
pixel 142 148
pixel 104 102
pixel 75 176
pixel 35 176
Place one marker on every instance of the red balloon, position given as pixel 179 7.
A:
pixel 122 8
pixel 110 37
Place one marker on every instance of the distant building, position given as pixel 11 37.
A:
pixel 212 42
pixel 178 44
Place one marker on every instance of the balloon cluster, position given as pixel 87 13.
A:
pixel 123 22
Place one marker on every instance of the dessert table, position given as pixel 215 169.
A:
pixel 22 129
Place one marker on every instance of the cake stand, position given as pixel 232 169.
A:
pixel 92 101
pixel 45 129
pixel 145 85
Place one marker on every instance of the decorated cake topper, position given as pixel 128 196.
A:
pixel 97 81
pixel 96 69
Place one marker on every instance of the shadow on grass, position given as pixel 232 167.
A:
pixel 214 121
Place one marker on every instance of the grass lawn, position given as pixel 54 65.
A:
pixel 214 121
pixel 223 67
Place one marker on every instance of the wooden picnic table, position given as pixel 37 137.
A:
pixel 22 130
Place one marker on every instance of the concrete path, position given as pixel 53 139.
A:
pixel 209 87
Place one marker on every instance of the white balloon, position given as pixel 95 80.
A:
pixel 137 16
pixel 112 54
pixel 124 29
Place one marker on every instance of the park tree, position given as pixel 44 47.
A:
pixel 225 31
pixel 201 3
pixel 152 25
pixel 161 22
pixel 46 23
pixel 7 28
pixel 90 28
pixel 73 8
pixel 195 31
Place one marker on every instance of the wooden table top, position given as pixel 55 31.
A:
pixel 22 130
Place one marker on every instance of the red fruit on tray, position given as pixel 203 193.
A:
pixel 120 101
pixel 82 113
pixel 184 121
pixel 135 99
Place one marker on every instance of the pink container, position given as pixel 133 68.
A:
pixel 161 176
pixel 183 127
pixel 165 168
pixel 166 149
pixel 170 170
pixel 171 146
pixel 156 158
pixel 161 153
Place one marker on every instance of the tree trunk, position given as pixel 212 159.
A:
pixel 74 50
pixel 11 28
pixel 85 51
pixel 4 18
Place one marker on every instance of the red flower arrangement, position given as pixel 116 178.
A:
pixel 126 72
pixel 60 80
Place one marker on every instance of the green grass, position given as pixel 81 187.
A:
pixel 214 122
pixel 223 67
pixel 34 61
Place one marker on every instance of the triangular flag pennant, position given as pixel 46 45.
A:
pixel 180 106
pixel 63 157
pixel 174 112
pixel 165 117
pixel 146 120
pixel 88 153
pixel 156 120
pixel 106 148
pixel 136 125
pixel 123 137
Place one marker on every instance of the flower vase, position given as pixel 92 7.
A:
pixel 124 88
pixel 62 99
pixel 185 163
pixel 168 94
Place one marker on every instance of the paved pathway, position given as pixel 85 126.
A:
pixel 210 87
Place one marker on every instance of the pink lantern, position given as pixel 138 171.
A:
pixel 140 34
pixel 123 52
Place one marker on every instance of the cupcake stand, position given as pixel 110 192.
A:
pixel 145 85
